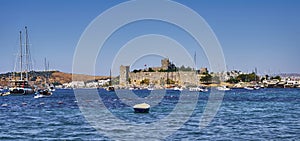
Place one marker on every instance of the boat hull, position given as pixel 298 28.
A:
pixel 21 91
pixel 141 110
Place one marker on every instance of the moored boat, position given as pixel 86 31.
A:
pixel 43 93
pixel 223 88
pixel 110 88
pixel 22 86
pixel 249 88
pixel 141 108
pixel 198 89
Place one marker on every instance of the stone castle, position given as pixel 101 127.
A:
pixel 158 76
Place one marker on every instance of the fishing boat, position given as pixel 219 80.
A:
pixel 141 108
pixel 22 86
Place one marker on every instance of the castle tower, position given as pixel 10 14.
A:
pixel 124 74
pixel 165 63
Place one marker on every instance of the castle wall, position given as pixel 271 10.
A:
pixel 160 78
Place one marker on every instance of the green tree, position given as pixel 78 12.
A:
pixel 207 78
pixel 247 77
pixel 216 79
pixel 151 70
pixel 232 80
pixel 145 81
pixel 276 77
pixel 129 80
pixel 170 81
pixel 183 68
pixel 135 71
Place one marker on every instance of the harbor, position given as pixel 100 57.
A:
pixel 150 70
pixel 250 114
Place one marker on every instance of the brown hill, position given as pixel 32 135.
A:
pixel 62 77
pixel 55 77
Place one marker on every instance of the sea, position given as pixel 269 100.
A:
pixel 264 114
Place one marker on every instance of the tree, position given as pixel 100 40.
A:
pixel 129 80
pixel 276 77
pixel 135 71
pixel 247 77
pixel 206 78
pixel 216 79
pixel 145 81
pixel 267 77
pixel 150 70
pixel 232 80
pixel 183 68
pixel 170 81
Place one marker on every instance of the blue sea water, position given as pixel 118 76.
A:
pixel 265 114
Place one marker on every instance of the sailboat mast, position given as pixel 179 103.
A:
pixel 26 53
pixel 110 78
pixel 45 63
pixel 21 58
pixel 195 59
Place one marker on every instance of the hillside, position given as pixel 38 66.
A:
pixel 67 77
pixel 55 77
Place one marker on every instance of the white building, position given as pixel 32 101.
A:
pixel 74 84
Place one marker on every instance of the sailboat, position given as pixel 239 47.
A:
pixel 21 86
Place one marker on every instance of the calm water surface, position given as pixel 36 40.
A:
pixel 266 114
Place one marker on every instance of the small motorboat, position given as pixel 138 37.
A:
pixel 141 108
pixel 110 89
pixel 43 93
pixel 223 88
pixel 252 87
pixel 198 89
pixel 249 88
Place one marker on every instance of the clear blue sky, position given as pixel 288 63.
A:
pixel 253 33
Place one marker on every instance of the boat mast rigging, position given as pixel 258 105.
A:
pixel 21 54
pixel 26 53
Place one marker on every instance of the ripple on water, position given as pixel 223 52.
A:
pixel 267 114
